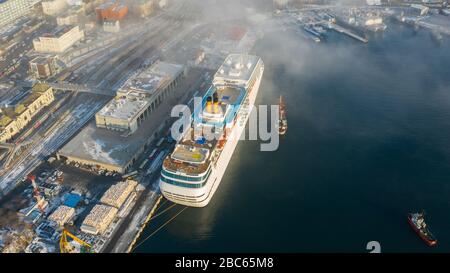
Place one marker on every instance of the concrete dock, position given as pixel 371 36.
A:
pixel 347 32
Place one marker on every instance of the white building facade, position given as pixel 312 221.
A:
pixel 60 41
pixel 10 10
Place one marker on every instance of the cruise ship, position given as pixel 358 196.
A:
pixel 192 172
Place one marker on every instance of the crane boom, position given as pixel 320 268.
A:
pixel 63 243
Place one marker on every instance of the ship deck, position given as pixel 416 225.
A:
pixel 228 95
pixel 192 161
pixel 194 157
pixel 190 154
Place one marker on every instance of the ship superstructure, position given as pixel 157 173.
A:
pixel 193 171
pixel 417 222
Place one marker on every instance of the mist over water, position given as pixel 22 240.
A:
pixel 368 142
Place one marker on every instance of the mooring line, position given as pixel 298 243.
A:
pixel 158 229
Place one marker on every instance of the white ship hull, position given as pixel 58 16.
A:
pixel 202 196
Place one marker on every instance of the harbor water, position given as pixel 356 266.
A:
pixel 368 142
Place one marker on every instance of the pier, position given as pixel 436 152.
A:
pixel 347 32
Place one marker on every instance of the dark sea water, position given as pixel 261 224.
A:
pixel 368 142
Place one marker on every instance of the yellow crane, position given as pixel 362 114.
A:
pixel 66 247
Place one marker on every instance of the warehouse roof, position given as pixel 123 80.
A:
pixel 106 146
pixel 153 78
pixel 125 107
pixel 39 60
pixel 118 193
pixel 59 31
pixel 99 214
pixel 4 120
pixel 72 200
pixel 62 214
pixel 24 102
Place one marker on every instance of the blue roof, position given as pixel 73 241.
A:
pixel 72 200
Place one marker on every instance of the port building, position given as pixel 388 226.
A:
pixel 99 219
pixel 62 215
pixel 121 131
pixel 123 113
pixel 138 97
pixel 61 39
pixel 14 118
pixel 118 193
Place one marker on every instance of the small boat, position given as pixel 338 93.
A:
pixel 417 222
pixel 282 122
pixel 319 29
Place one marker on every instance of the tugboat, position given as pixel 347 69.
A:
pixel 417 222
pixel 282 123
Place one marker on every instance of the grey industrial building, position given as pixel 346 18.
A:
pixel 121 131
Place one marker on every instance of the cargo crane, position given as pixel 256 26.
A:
pixel 66 247
pixel 37 193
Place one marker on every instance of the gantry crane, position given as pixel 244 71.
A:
pixel 37 193
pixel 66 247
